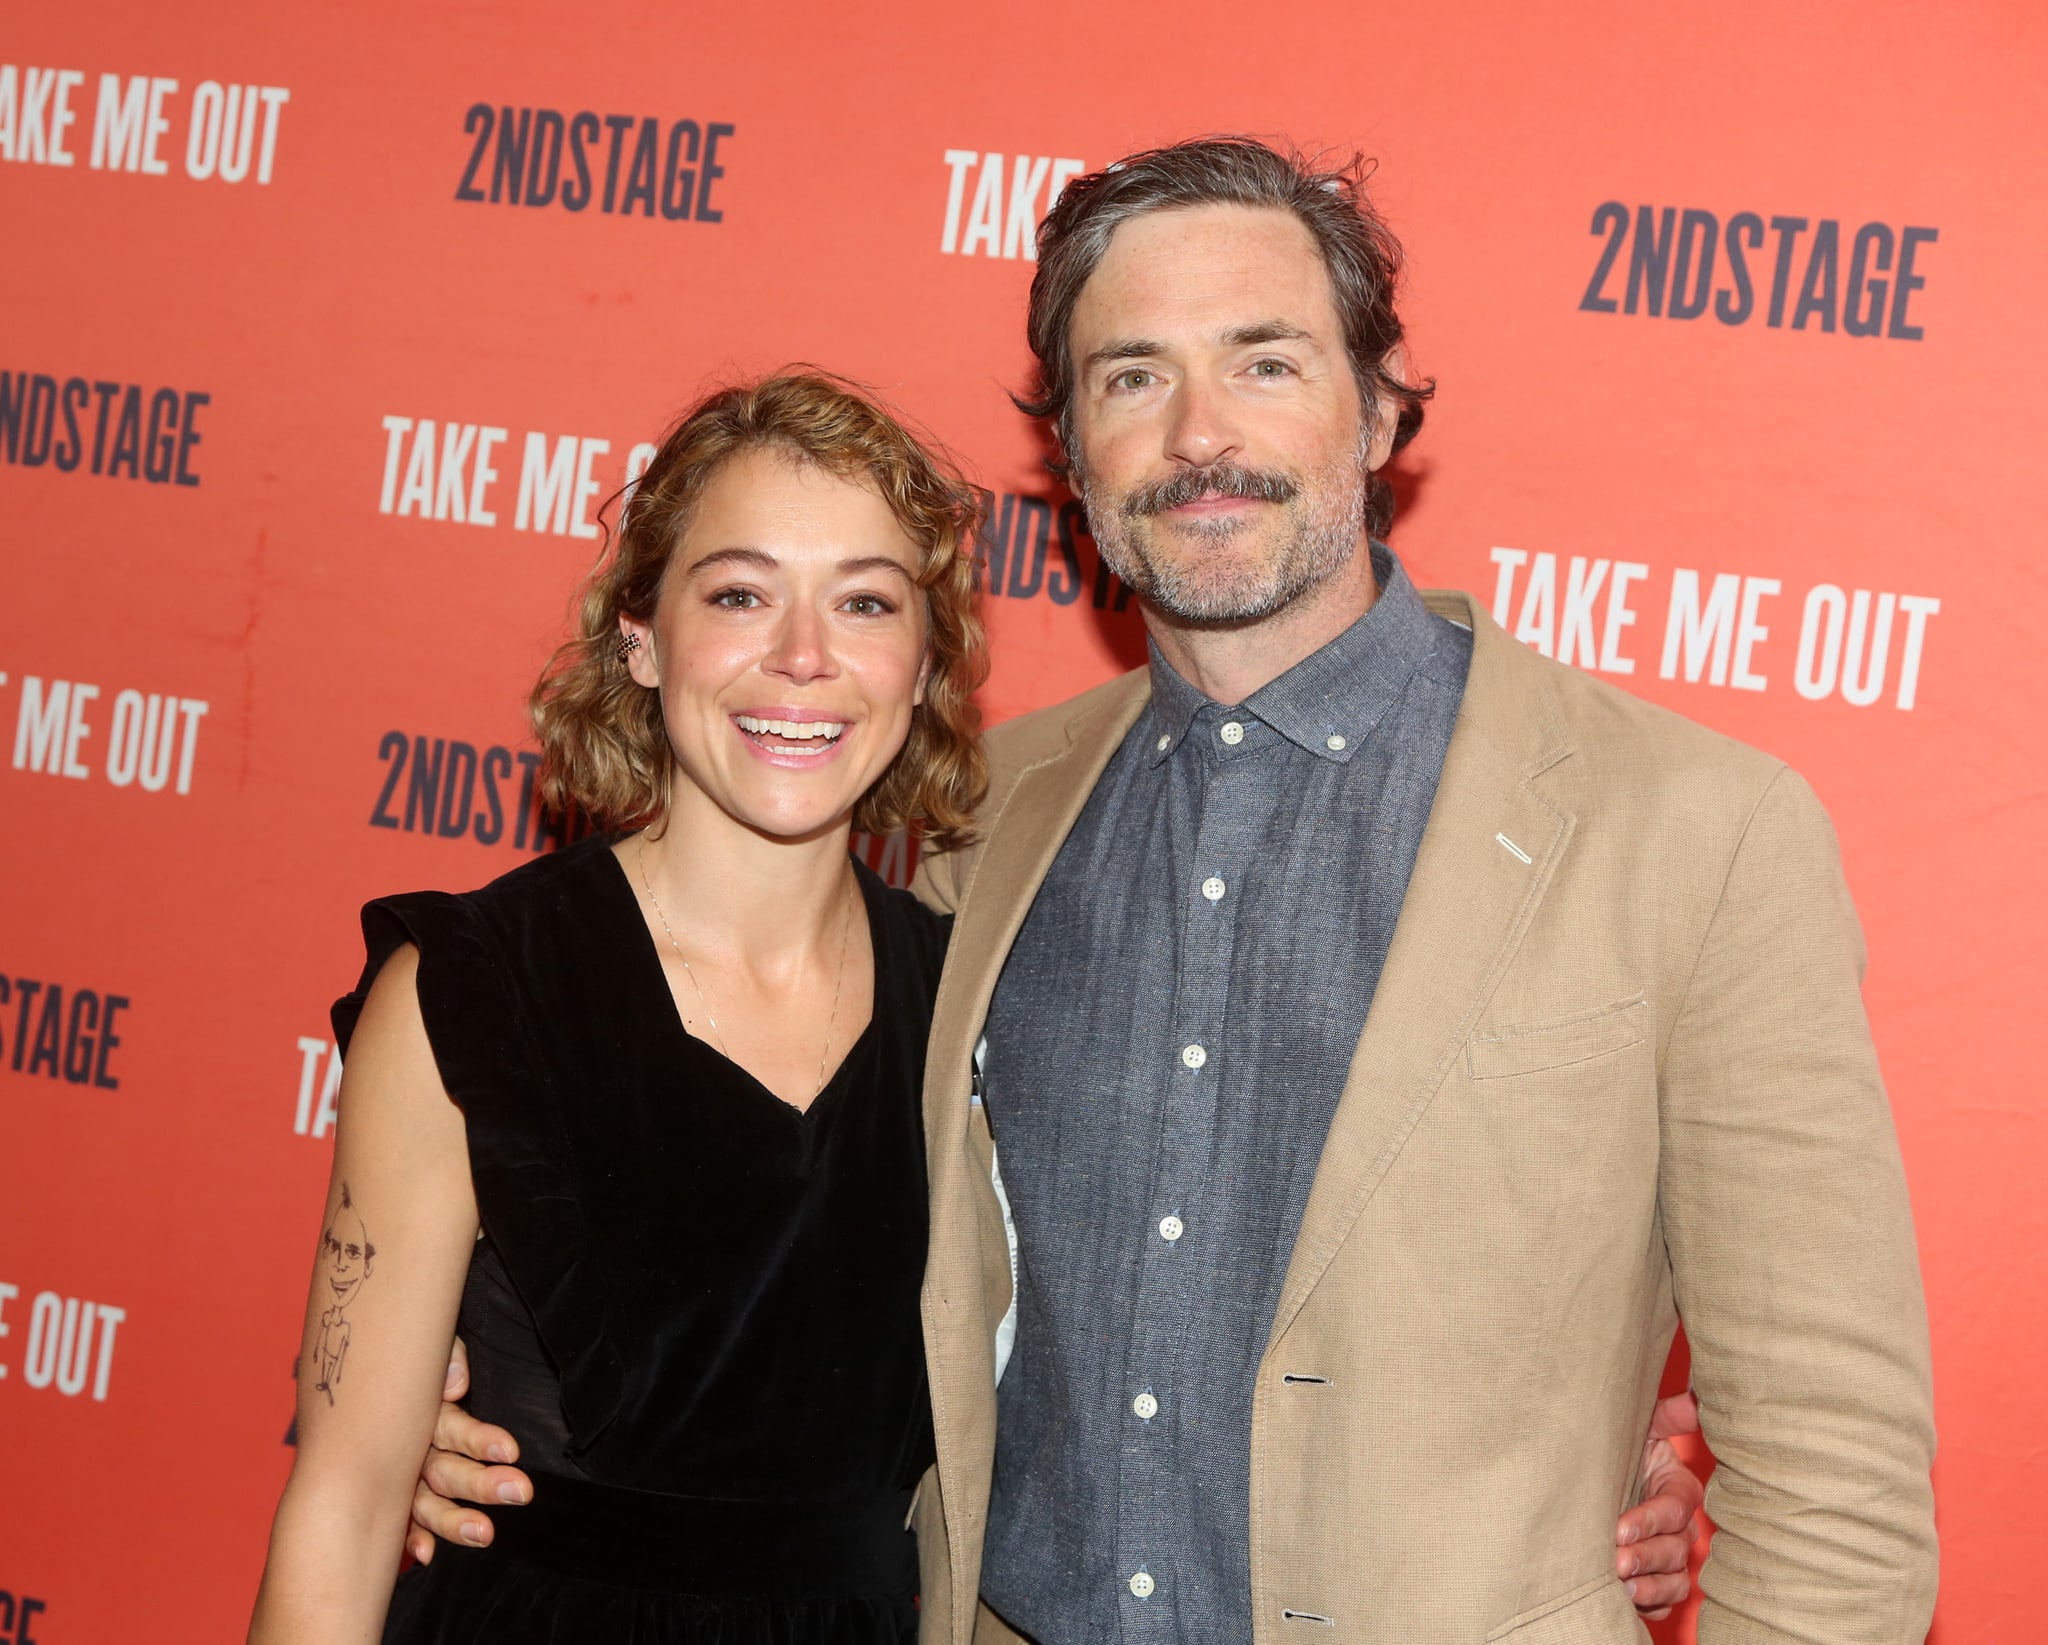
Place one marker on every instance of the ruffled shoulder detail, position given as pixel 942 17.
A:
pixel 480 1009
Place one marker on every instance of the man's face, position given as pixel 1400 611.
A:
pixel 1221 449
pixel 346 1253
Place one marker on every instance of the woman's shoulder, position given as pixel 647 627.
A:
pixel 472 943
pixel 535 890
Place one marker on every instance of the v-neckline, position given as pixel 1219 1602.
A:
pixel 659 980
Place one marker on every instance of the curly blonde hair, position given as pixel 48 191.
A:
pixel 604 746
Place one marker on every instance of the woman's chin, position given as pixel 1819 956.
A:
pixel 794 820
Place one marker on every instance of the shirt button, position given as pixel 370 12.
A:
pixel 1171 1229
pixel 1334 744
pixel 1141 1584
pixel 1232 733
pixel 1146 1406
pixel 1213 888
pixel 1164 740
pixel 1193 1055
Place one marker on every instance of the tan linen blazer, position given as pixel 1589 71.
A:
pixel 1617 1071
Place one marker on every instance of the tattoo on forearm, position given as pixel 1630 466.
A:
pixel 346 1255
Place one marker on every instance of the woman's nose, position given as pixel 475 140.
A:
pixel 802 649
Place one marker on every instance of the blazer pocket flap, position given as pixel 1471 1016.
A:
pixel 1594 1613
pixel 1577 1038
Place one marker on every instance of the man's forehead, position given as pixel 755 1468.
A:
pixel 1218 273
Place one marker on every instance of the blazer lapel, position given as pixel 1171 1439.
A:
pixel 1016 853
pixel 1487 856
pixel 966 1269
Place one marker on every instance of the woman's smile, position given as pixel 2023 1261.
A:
pixel 804 737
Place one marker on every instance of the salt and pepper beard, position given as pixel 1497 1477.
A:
pixel 1325 524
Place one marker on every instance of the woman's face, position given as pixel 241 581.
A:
pixel 788 644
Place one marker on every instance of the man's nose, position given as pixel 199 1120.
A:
pixel 1203 427
pixel 802 647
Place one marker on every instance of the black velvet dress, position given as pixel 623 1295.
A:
pixel 696 1306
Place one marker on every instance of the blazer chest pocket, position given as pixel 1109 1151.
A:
pixel 1580 1037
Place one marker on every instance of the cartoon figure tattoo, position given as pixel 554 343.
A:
pixel 345 1256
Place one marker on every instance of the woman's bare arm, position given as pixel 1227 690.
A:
pixel 395 1243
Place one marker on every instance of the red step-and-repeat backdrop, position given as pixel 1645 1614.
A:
pixel 328 329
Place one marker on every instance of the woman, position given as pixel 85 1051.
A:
pixel 641 1117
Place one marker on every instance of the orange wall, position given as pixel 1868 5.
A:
pixel 299 617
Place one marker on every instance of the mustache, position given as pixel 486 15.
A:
pixel 1224 479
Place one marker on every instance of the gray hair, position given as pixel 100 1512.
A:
pixel 1359 251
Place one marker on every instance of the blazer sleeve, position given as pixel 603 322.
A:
pixel 1792 1253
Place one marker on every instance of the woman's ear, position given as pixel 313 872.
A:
pixel 924 676
pixel 636 646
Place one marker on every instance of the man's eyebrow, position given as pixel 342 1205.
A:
pixel 1267 331
pixel 1246 336
pixel 1126 348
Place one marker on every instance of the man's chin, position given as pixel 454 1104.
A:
pixel 1216 603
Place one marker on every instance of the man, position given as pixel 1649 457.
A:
pixel 1386 1033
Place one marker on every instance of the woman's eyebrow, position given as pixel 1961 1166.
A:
pixel 761 560
pixel 758 558
pixel 877 562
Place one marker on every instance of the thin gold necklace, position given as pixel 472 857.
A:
pixel 704 999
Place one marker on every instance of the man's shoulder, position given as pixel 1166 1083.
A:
pixel 1608 719
pixel 1044 732
pixel 1019 745
pixel 1612 734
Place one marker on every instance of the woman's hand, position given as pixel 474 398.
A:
pixel 1654 1539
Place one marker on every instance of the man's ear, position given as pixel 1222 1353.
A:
pixel 1386 410
pixel 637 642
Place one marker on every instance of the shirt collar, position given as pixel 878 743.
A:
pixel 1329 702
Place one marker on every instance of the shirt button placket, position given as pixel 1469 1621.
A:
pixel 1200 1008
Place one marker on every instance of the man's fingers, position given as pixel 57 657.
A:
pixel 450 1521
pixel 419 1545
pixel 1680 1414
pixel 1655 1595
pixel 462 1480
pixel 457 1431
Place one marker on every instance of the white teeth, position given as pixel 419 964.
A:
pixel 794 730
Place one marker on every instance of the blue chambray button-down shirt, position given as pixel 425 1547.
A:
pixel 1166 1048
